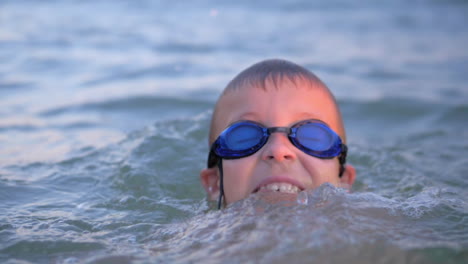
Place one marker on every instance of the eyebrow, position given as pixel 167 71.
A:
pixel 247 115
pixel 252 116
pixel 306 115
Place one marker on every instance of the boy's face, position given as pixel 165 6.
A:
pixel 278 162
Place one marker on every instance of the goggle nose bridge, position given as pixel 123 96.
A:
pixel 287 130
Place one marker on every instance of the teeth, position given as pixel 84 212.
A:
pixel 281 187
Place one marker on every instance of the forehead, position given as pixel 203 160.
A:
pixel 276 104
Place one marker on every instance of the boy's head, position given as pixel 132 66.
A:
pixel 255 111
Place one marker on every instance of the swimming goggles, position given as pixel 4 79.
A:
pixel 244 138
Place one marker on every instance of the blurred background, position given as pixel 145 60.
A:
pixel 105 106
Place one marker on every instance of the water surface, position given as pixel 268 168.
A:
pixel 104 113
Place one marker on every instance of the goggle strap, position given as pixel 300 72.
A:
pixel 221 185
pixel 342 158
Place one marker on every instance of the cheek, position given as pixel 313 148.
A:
pixel 237 178
pixel 322 170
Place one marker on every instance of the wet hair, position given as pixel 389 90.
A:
pixel 270 74
pixel 272 71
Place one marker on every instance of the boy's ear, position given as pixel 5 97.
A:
pixel 348 177
pixel 210 180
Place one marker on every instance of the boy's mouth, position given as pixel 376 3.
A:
pixel 279 186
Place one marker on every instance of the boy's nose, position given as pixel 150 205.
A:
pixel 278 148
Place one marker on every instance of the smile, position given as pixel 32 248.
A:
pixel 279 184
pixel 280 187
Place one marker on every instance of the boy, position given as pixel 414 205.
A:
pixel 275 128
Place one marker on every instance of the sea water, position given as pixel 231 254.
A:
pixel 104 114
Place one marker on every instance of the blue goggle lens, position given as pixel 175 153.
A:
pixel 242 136
pixel 315 136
